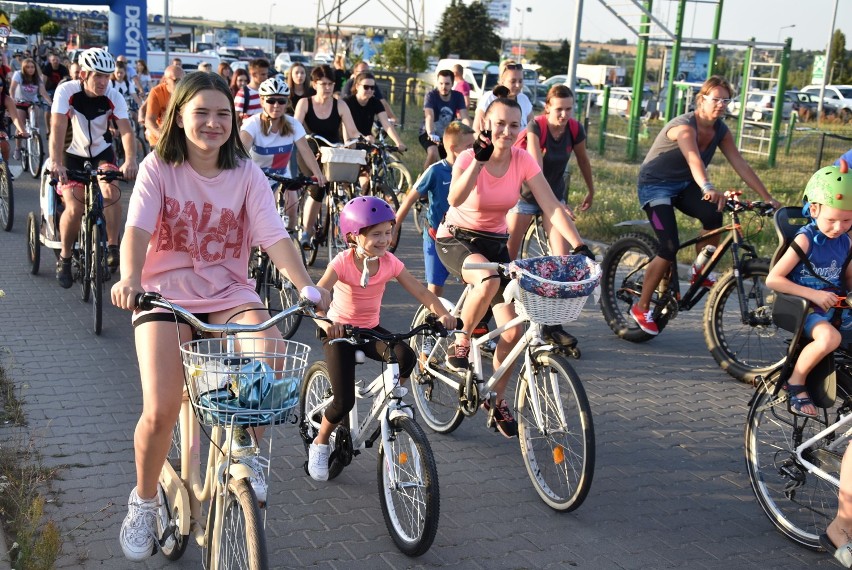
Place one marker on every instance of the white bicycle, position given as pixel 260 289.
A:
pixel 555 427
pixel 405 470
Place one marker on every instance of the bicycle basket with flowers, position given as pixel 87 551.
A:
pixel 551 289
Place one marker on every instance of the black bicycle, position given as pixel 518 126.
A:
pixel 89 258
pixel 276 291
pixel 738 325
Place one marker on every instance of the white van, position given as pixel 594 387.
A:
pixel 482 75
pixel 17 42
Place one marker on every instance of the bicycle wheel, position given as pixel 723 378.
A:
pixel 142 149
pixel 16 165
pixel 174 545
pixel 316 389
pixel 85 245
pixel 336 241
pixel 35 152
pixel 559 453
pixel 398 178
pixel 278 293
pixel 243 540
pixel 623 271
pixel 7 200
pixel 534 243
pixel 99 273
pixel 33 243
pixel 421 212
pixel 384 191
pixel 408 487
pixel 437 401
pixel 798 503
pixel 750 345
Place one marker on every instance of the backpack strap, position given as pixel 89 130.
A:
pixel 246 99
pixel 574 130
pixel 812 270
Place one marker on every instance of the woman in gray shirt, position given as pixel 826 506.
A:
pixel 674 175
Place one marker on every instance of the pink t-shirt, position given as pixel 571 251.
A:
pixel 462 87
pixel 353 305
pixel 202 230
pixel 491 199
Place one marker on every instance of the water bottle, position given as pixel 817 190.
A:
pixel 703 257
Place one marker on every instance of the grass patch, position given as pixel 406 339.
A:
pixel 35 540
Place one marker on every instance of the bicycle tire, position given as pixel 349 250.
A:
pixel 33 243
pixel 622 272
pixel 315 389
pixel 278 293
pixel 7 200
pixel 398 177
pixel 336 242
pixel 15 166
pixel 386 193
pixel 98 276
pixel 534 243
pixel 437 402
pixel 744 350
pixel 175 546
pixel 35 151
pixel 412 507
pixel 142 149
pixel 243 541
pixel 85 259
pixel 421 212
pixel 799 504
pixel 560 454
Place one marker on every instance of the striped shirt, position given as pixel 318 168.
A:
pixel 253 107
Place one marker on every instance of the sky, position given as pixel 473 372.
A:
pixel 807 21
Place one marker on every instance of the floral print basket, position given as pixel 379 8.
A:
pixel 553 289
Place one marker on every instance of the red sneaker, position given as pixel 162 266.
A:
pixel 709 281
pixel 644 320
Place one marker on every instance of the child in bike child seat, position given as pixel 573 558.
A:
pixel 357 278
pixel 816 272
pixel 198 206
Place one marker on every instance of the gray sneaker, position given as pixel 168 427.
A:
pixel 138 535
pixel 318 462
pixel 258 465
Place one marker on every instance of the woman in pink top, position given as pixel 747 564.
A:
pixel 198 206
pixel 486 185
pixel 358 277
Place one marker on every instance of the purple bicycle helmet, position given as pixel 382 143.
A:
pixel 363 212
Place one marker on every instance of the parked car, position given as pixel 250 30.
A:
pixel 255 52
pixel 760 105
pixel 619 98
pixel 839 96
pixel 284 60
pixel 582 83
pixel 233 54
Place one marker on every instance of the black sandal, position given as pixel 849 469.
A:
pixel 795 403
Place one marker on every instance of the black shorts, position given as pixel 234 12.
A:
pixel 426 142
pixel 74 162
pixel 453 251
pixel 166 317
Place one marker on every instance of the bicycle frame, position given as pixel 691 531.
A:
pixel 531 340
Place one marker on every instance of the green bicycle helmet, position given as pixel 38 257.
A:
pixel 830 186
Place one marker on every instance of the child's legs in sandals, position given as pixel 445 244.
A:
pixel 826 339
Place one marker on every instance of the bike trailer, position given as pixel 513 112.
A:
pixel 552 290
pixel 342 164
pixel 51 210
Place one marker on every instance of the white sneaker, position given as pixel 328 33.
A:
pixel 259 466
pixel 318 462
pixel 138 531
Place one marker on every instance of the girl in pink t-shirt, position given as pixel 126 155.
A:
pixel 486 185
pixel 358 277
pixel 198 206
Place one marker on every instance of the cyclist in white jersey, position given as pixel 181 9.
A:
pixel 88 105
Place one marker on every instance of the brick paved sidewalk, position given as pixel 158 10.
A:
pixel 670 488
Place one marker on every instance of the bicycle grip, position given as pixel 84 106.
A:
pixel 144 300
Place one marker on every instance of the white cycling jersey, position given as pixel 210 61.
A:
pixel 89 116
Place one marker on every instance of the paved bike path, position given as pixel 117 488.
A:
pixel 670 488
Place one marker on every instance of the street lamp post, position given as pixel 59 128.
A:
pixel 271 36
pixel 522 11
pixel 782 28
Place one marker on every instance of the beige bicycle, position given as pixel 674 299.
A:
pixel 234 386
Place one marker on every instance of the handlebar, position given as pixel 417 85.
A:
pixel 308 298
pixel 327 142
pixel 734 204
pixel 291 183
pixel 88 173
pixel 431 325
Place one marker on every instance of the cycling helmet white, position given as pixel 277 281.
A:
pixel 97 59
pixel 274 86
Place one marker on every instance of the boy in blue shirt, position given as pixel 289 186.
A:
pixel 815 267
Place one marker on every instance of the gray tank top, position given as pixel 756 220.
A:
pixel 666 163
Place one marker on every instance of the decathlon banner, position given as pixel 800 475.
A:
pixel 128 29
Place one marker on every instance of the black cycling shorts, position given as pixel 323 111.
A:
pixel 426 142
pixel 454 250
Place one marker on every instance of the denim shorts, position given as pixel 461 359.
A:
pixel 661 191
pixel 813 318
pixel 528 208
pixel 436 273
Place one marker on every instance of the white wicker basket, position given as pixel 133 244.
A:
pixel 342 164
pixel 553 302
